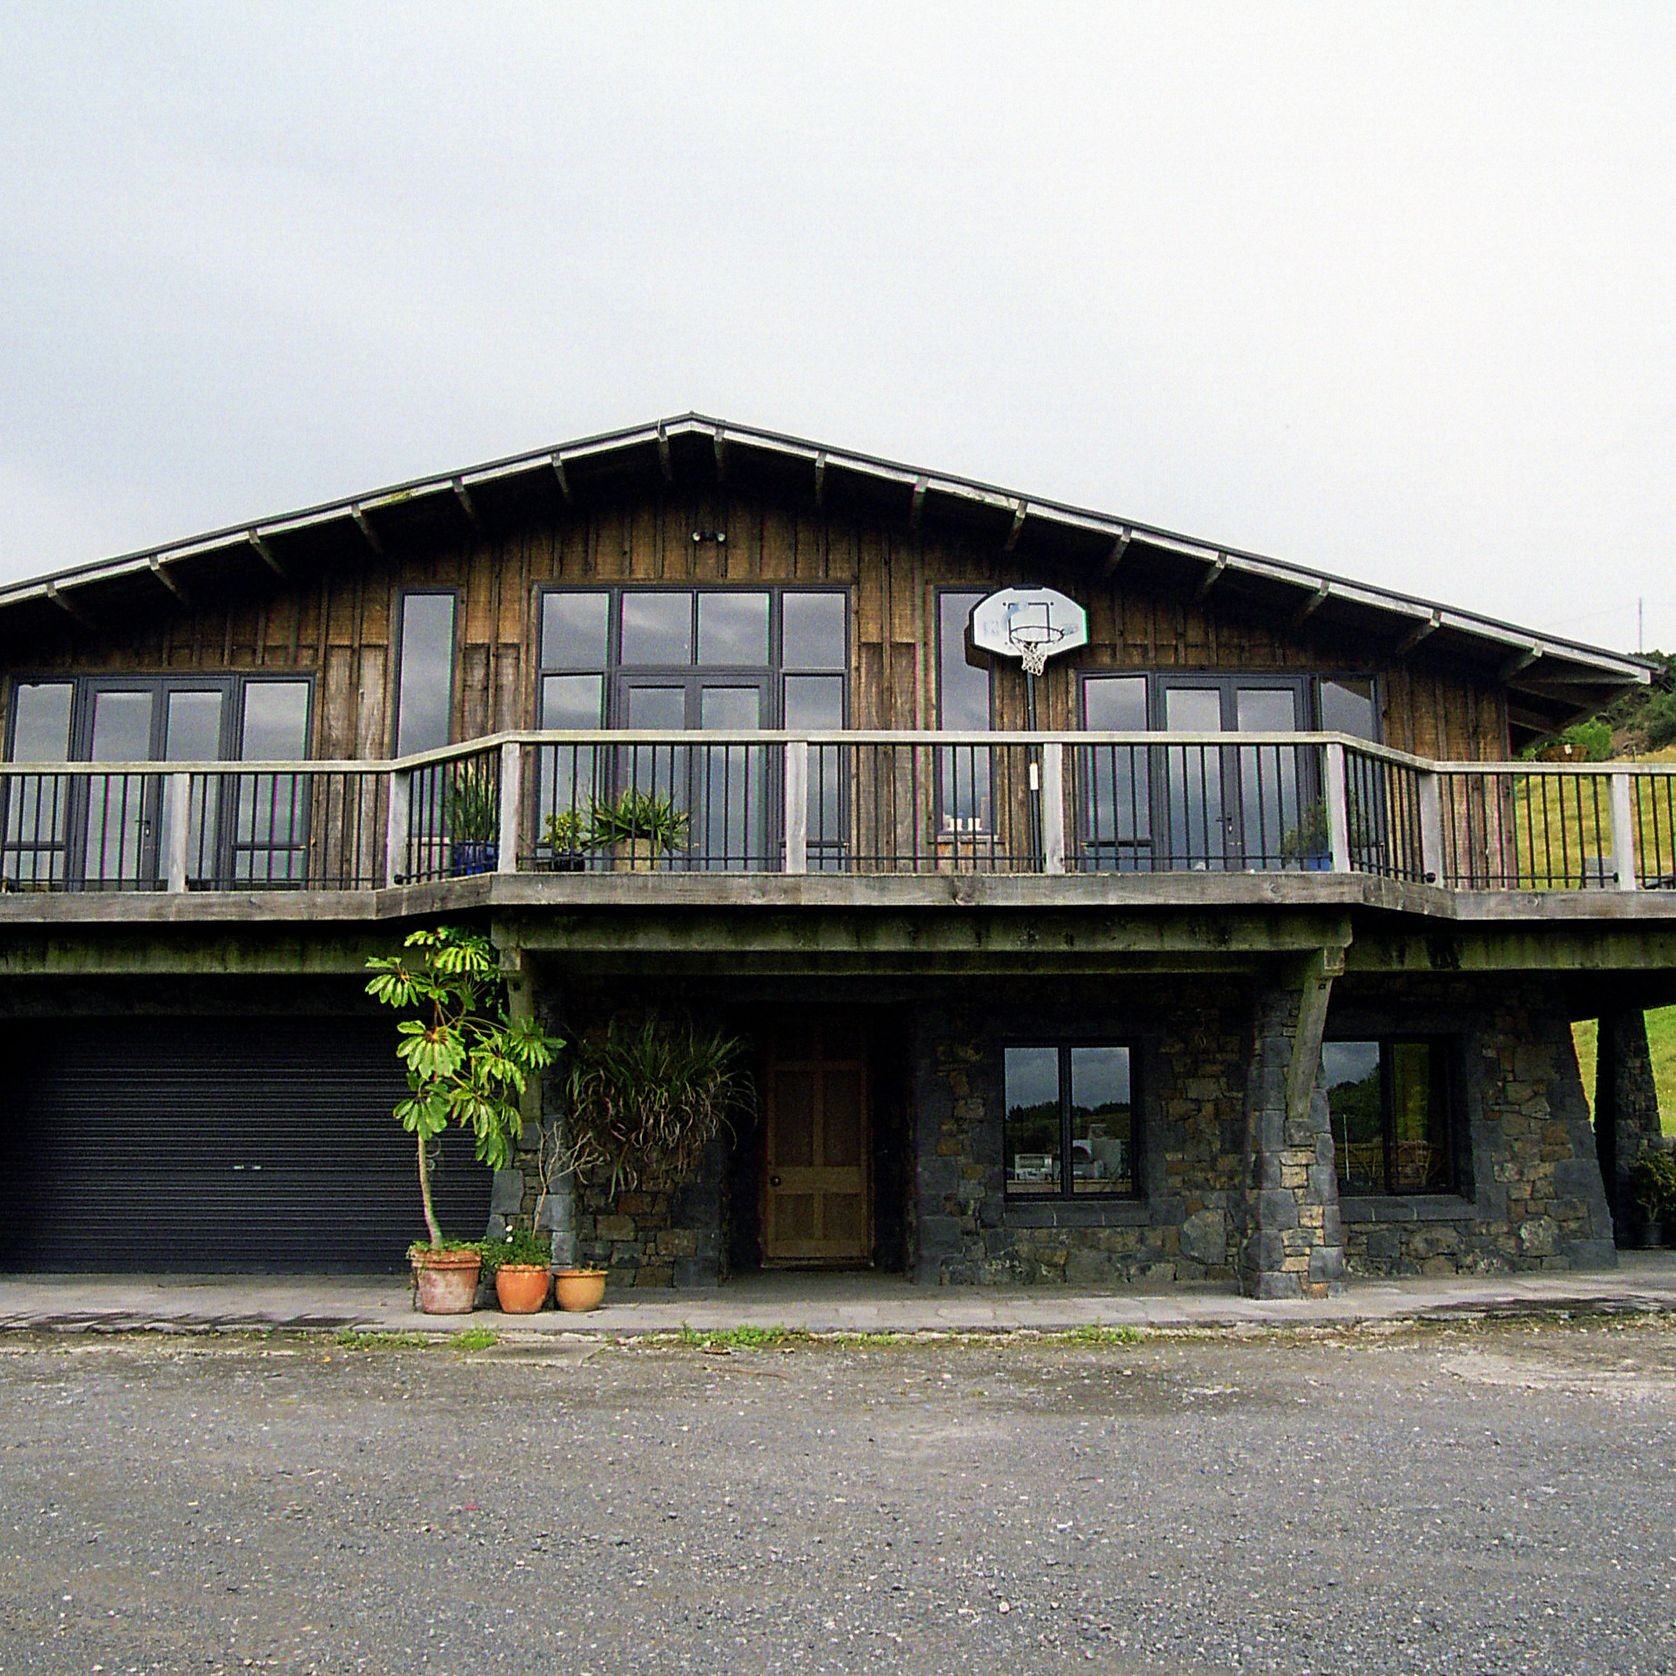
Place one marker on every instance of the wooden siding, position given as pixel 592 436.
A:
pixel 340 627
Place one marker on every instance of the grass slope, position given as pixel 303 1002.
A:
pixel 1661 1039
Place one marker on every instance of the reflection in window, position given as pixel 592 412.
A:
pixel 963 703
pixel 1347 706
pixel 37 805
pixel 425 674
pixel 1117 813
pixel 1069 1127
pixel 575 632
pixel 657 628
pixel 733 628
pixel 270 829
pixel 1391 1115
pixel 812 631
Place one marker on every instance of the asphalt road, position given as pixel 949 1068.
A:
pixel 1467 1500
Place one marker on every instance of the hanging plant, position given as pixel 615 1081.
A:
pixel 647 1096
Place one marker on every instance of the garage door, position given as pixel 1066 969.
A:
pixel 183 1144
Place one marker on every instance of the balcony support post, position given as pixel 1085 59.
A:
pixel 796 779
pixel 1431 828
pixel 1052 805
pixel 395 826
pixel 1623 830
pixel 1334 785
pixel 177 801
pixel 511 806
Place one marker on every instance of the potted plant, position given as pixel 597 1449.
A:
pixel 566 836
pixel 1652 1186
pixel 471 814
pixel 1308 843
pixel 637 828
pixel 468 1061
pixel 520 1264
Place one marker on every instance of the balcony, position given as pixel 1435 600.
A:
pixel 1096 817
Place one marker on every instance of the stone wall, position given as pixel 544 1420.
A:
pixel 1190 1069
pixel 1531 1192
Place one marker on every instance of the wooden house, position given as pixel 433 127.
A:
pixel 1237 946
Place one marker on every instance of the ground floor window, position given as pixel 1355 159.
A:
pixel 1070 1120
pixel 1392 1114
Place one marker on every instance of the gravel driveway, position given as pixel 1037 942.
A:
pixel 1472 1499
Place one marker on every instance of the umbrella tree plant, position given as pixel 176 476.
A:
pixel 468 1061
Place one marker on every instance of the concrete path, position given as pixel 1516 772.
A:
pixel 1645 1282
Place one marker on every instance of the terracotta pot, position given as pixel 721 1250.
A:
pixel 522 1287
pixel 447 1281
pixel 579 1289
pixel 635 855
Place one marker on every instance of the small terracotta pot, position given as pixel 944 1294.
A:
pixel 447 1281
pixel 579 1289
pixel 522 1287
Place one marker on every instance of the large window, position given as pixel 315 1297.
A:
pixel 424 671
pixel 1069 1130
pixel 1392 1107
pixel 965 772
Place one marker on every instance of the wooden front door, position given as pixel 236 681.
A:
pixel 817 1199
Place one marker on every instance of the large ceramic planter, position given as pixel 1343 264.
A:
pixel 447 1281
pixel 468 856
pixel 579 1289
pixel 634 855
pixel 521 1288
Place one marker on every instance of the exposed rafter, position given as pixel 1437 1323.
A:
pixel 266 554
pixel 1421 631
pixel 564 480
pixel 1519 662
pixel 1019 514
pixel 1310 606
pixel 721 455
pixel 1213 574
pixel 172 583
pixel 916 502
pixel 68 606
pixel 1115 557
pixel 820 479
pixel 665 464
pixel 367 530
pixel 463 495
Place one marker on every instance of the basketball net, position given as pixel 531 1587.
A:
pixel 1033 642
pixel 1033 655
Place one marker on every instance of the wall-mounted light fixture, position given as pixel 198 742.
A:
pixel 717 536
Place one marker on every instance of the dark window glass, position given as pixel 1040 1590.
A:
pixel 573 630
pixel 1033 1127
pixel 1114 703
pixel 1118 810
pixel 812 631
pixel 657 707
pixel 1391 1115
pixel 962 688
pixel 425 682
pixel 41 721
pixel 572 700
pixel 657 628
pixel 1102 1121
pixel 1347 707
pixel 815 701
pixel 733 628
pixel 1069 1129
pixel 275 721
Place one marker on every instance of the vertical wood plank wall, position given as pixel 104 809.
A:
pixel 341 628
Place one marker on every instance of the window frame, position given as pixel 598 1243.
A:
pixel 1446 1084
pixel 1067 1193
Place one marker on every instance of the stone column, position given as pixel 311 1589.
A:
pixel 1294 1241
pixel 1626 1103
pixel 552 1208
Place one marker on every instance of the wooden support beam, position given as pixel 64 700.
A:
pixel 564 481
pixel 266 554
pixel 367 530
pixel 172 583
pixel 1212 575
pixel 1311 605
pixel 820 479
pixel 69 607
pixel 1019 513
pixel 665 464
pixel 916 503
pixel 1115 557
pixel 1420 631
pixel 463 496
pixel 1519 662
pixel 721 456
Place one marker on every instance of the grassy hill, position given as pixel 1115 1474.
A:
pixel 1661 1039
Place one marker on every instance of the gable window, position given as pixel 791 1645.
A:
pixel 424 671
pixel 1392 1108
pixel 1069 1125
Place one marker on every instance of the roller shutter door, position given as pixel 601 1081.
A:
pixel 182 1144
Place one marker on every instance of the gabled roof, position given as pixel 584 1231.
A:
pixel 1550 680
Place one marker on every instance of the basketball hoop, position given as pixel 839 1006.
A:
pixel 1030 624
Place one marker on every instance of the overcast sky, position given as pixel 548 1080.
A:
pixel 1381 288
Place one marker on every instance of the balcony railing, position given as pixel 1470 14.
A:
pixel 859 803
